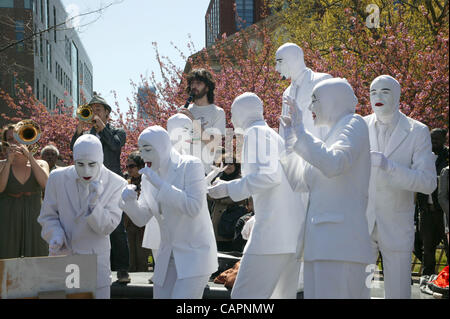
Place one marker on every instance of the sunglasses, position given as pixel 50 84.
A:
pixel 131 166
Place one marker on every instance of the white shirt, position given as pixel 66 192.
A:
pixel 384 131
pixel 211 117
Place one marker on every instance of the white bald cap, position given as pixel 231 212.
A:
pixel 88 147
pixel 157 137
pixel 337 97
pixel 391 84
pixel 178 120
pixel 246 109
pixel 293 56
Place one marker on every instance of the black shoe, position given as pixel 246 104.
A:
pixel 123 277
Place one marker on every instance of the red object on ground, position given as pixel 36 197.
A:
pixel 442 279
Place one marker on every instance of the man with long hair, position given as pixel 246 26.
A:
pixel 208 118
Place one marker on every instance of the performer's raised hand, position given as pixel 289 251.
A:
pixel 95 189
pixel 152 176
pixel 289 134
pixel 129 193
pixel 296 115
pixel 216 170
pixel 218 190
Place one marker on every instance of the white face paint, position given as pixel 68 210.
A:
pixel 282 67
pixel 289 61
pixel 318 112
pixel 382 99
pixel 235 119
pixel 87 170
pixel 181 139
pixel 150 155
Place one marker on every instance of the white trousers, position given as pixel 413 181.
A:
pixel 267 276
pixel 396 269
pixel 174 288
pixel 335 280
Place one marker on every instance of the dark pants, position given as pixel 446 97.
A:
pixel 120 254
pixel 225 246
pixel 431 233
pixel 138 254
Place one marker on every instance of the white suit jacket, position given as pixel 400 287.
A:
pixel 391 195
pixel 61 214
pixel 337 176
pixel 278 221
pixel 181 210
pixel 302 95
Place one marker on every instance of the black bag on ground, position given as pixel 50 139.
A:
pixel 228 220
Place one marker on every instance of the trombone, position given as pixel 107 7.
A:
pixel 28 132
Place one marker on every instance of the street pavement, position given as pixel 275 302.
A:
pixel 140 288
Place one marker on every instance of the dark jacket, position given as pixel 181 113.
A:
pixel 112 139
pixel 422 199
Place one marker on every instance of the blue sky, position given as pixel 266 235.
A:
pixel 119 41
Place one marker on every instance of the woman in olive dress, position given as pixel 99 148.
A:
pixel 22 179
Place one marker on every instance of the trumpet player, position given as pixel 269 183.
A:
pixel 112 140
pixel 22 179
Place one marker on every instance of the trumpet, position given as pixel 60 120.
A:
pixel 85 113
pixel 28 132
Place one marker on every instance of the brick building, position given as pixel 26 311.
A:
pixel 222 17
pixel 51 58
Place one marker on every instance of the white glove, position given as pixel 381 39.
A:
pixel 296 116
pixel 218 190
pixel 216 170
pixel 55 244
pixel 289 134
pixel 129 193
pixel 379 160
pixel 95 189
pixel 248 227
pixel 152 176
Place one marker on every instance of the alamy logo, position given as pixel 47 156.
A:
pixel 372 281
pixel 73 279
pixel 373 19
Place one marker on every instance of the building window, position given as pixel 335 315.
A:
pixel 41 47
pixel 74 90
pixel 37 89
pixel 54 23
pixel 42 11
pixel 49 57
pixel 20 32
pixel 47 5
pixel 244 12
pixel 28 4
pixel 36 39
pixel 6 3
pixel 87 79
pixel 67 51
pixel 213 24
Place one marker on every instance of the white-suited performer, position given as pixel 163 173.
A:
pixel 81 208
pixel 336 175
pixel 270 265
pixel 173 190
pixel 402 164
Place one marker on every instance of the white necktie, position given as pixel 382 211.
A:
pixel 84 194
pixel 382 137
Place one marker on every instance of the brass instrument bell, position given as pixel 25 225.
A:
pixel 28 132
pixel 85 113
